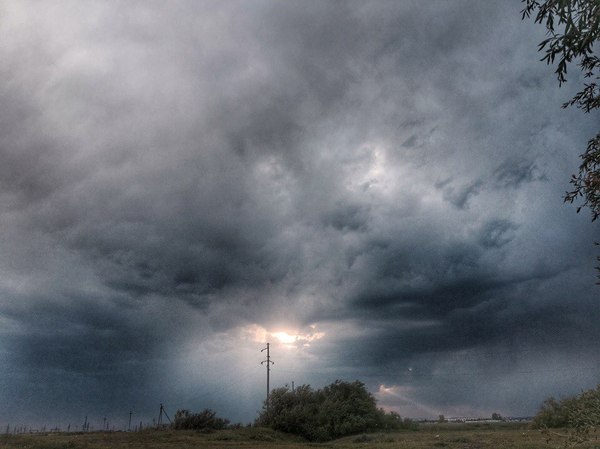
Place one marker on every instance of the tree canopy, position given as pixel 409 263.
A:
pixel 573 27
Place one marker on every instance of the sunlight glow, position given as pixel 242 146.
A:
pixel 286 338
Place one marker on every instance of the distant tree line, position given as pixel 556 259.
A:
pixel 339 409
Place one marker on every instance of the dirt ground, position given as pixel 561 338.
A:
pixel 514 436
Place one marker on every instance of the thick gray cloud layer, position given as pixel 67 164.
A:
pixel 182 180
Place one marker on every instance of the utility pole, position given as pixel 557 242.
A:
pixel 268 362
pixel 130 413
pixel 160 415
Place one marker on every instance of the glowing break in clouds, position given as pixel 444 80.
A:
pixel 287 338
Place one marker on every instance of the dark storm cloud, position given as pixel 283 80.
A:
pixel 497 233
pixel 505 319
pixel 513 173
pixel 460 197
pixel 172 174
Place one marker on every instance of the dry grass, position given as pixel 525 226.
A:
pixel 449 436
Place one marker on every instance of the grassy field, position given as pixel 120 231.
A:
pixel 452 436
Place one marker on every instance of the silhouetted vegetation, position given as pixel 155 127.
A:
pixel 573 27
pixel 205 420
pixel 339 409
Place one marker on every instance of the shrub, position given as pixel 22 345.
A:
pixel 552 414
pixel 579 414
pixel 204 421
pixel 584 415
pixel 339 409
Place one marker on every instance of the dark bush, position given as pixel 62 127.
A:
pixel 579 415
pixel 337 410
pixel 584 416
pixel 206 420
pixel 552 414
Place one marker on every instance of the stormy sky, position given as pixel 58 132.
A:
pixel 375 188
